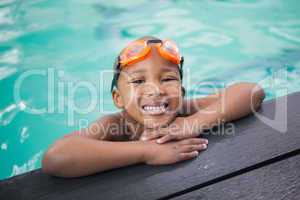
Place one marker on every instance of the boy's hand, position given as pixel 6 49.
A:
pixel 179 129
pixel 172 152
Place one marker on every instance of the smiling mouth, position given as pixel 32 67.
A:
pixel 155 109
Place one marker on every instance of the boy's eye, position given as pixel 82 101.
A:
pixel 138 81
pixel 170 79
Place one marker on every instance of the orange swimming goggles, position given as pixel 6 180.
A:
pixel 139 50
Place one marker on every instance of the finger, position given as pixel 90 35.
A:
pixel 189 155
pixel 194 141
pixel 149 137
pixel 191 148
pixel 166 138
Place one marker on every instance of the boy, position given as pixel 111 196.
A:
pixel 156 125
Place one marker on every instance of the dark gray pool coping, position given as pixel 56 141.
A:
pixel 255 146
pixel 280 180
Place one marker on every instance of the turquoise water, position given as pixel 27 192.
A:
pixel 47 47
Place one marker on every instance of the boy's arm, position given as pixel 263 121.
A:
pixel 232 102
pixel 79 156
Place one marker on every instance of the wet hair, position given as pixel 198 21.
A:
pixel 117 70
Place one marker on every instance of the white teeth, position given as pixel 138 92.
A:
pixel 155 109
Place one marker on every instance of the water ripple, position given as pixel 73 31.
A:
pixel 6 2
pixel 5 17
pixel 213 39
pixel 287 33
pixel 6 72
pixel 4 146
pixel 7 35
pixel 10 57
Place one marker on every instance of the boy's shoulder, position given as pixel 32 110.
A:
pixel 118 127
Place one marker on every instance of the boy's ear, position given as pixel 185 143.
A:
pixel 183 91
pixel 117 99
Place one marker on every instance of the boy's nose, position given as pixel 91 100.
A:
pixel 154 89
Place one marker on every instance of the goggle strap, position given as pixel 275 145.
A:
pixel 116 75
pixel 181 66
pixel 181 62
pixel 154 41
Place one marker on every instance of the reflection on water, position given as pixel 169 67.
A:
pixel 4 146
pixel 223 42
pixel 6 72
pixel 10 57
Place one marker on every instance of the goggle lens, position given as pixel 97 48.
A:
pixel 170 47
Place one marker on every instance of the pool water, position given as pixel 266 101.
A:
pixel 47 47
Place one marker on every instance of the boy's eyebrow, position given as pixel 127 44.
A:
pixel 137 71
pixel 170 69
pixel 164 69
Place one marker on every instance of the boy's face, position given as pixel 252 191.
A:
pixel 150 90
